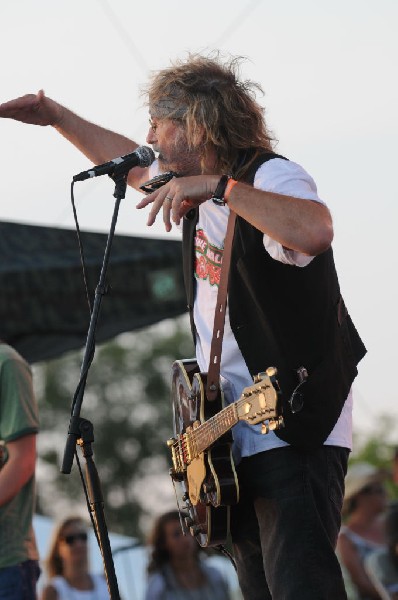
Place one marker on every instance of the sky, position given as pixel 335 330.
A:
pixel 328 71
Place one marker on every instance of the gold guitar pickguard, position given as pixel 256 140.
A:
pixel 196 473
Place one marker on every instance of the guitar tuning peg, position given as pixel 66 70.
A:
pixel 208 487
pixel 271 371
pixel 271 425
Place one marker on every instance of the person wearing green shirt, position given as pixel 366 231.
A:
pixel 19 568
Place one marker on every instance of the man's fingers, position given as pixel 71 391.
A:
pixel 157 203
pixel 144 202
pixel 167 210
pixel 170 201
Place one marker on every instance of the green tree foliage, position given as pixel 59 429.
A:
pixel 379 449
pixel 127 399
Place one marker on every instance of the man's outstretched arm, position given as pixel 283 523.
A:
pixel 95 142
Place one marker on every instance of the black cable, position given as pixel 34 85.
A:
pixel 81 251
pixel 83 374
pixel 91 350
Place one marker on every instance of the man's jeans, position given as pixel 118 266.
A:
pixel 285 527
pixel 19 582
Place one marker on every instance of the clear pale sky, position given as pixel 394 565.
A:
pixel 331 96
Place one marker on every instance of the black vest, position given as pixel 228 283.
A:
pixel 288 317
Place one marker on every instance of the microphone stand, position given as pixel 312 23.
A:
pixel 81 431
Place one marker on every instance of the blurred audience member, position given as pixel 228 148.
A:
pixel 19 567
pixel 67 565
pixel 364 507
pixel 395 467
pixel 382 565
pixel 175 570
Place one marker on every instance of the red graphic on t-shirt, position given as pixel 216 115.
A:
pixel 208 259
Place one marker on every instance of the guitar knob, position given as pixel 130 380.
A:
pixel 208 488
pixel 185 496
pixel 189 522
pixel 196 530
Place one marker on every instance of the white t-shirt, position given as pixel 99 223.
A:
pixel 283 177
pixel 164 586
pixel 66 592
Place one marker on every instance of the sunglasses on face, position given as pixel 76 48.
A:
pixel 74 537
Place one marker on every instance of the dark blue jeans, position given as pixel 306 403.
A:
pixel 19 581
pixel 285 527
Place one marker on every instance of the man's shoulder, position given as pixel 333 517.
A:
pixel 10 357
pixel 286 177
pixel 9 353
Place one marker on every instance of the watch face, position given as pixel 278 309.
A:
pixel 156 182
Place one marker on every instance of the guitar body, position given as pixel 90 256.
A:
pixel 201 446
pixel 209 483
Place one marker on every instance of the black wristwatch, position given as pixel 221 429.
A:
pixel 218 196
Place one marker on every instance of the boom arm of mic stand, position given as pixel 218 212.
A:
pixel 80 430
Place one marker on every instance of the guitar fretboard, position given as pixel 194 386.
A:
pixel 201 438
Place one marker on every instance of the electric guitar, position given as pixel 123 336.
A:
pixel 201 449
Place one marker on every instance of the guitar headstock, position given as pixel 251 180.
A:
pixel 259 403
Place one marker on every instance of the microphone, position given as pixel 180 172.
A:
pixel 142 156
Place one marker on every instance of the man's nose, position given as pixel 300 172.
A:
pixel 151 137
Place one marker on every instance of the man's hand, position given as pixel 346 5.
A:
pixel 178 196
pixel 35 109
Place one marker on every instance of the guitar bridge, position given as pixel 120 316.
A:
pixel 178 457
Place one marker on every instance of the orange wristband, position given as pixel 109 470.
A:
pixel 228 189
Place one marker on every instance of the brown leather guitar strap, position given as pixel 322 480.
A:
pixel 213 374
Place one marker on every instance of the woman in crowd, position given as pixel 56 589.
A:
pixel 364 508
pixel 175 570
pixel 382 565
pixel 68 568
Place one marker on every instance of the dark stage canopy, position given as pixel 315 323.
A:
pixel 43 305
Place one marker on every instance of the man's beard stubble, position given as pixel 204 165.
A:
pixel 182 158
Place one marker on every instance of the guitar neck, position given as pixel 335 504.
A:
pixel 202 437
pixel 257 404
